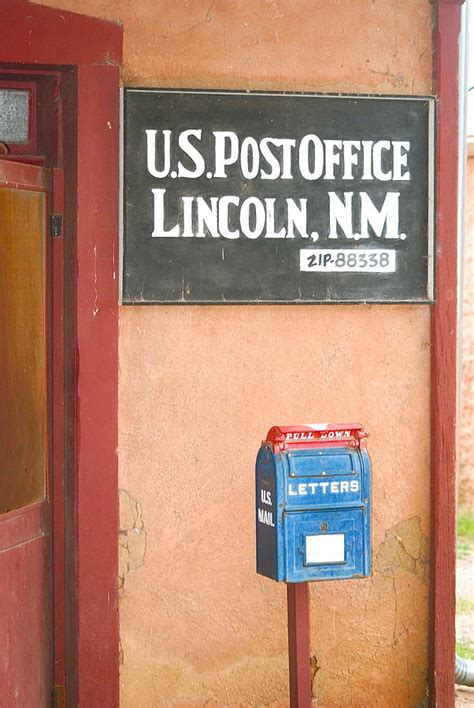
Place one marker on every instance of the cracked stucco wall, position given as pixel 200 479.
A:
pixel 388 622
pixel 132 536
pixel 200 386
pixel 197 623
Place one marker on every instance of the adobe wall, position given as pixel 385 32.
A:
pixel 200 386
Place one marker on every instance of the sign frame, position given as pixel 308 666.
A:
pixel 430 298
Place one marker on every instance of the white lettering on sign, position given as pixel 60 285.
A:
pixel 273 158
pixel 380 220
pixel 265 517
pixel 352 215
pixel 266 497
pixel 200 217
pixel 336 434
pixel 309 488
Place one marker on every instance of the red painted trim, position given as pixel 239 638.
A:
pixel 36 160
pixel 28 72
pixel 42 35
pixel 97 384
pixel 299 645
pixel 71 418
pixel 443 364
pixel 21 176
pixel 57 432
pixel 23 525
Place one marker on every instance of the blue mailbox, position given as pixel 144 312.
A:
pixel 313 503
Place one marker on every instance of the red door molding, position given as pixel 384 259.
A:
pixel 91 51
pixel 42 35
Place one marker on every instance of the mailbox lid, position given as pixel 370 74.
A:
pixel 285 437
pixel 327 477
pixel 327 545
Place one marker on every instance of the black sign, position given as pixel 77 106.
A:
pixel 261 197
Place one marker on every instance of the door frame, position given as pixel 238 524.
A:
pixel 87 53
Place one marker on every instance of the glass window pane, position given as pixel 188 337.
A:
pixel 14 115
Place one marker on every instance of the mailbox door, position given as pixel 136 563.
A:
pixel 327 545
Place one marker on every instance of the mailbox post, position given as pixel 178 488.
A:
pixel 312 520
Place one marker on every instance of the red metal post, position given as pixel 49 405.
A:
pixel 299 645
pixel 443 361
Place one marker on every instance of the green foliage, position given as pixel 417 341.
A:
pixel 465 542
pixel 465 525
pixel 465 649
pixel 464 606
pixel 463 549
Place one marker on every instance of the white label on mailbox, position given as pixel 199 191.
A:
pixel 325 548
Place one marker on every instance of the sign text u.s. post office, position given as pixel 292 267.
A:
pixel 262 197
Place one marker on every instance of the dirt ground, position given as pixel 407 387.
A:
pixel 465 617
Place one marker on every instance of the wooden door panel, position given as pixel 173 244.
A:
pixel 26 658
pixel 23 386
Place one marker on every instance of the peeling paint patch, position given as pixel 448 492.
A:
pixel 313 662
pixel 405 547
pixel 132 536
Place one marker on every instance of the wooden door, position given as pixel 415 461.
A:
pixel 26 636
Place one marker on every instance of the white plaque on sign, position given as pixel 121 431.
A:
pixel 325 548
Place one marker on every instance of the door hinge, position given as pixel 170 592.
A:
pixel 55 225
pixel 59 697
